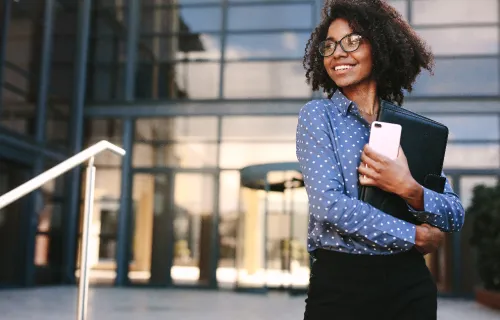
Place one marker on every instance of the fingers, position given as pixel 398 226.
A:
pixel 367 171
pixel 366 181
pixel 370 162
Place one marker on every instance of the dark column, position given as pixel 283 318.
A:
pixel 125 216
pixel 4 31
pixel 76 139
pixel 40 129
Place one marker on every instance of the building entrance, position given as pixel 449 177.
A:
pixel 272 229
pixel 173 228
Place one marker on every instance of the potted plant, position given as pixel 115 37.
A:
pixel 485 208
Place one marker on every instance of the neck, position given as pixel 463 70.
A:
pixel 365 97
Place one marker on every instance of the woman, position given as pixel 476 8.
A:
pixel 366 263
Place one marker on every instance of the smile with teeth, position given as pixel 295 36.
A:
pixel 343 67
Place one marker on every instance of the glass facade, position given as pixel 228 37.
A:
pixel 204 97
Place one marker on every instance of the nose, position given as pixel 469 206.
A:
pixel 339 52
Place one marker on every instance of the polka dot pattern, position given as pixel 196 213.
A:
pixel 329 141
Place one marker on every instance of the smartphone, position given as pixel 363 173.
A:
pixel 385 138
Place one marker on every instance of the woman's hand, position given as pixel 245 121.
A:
pixel 390 175
pixel 428 238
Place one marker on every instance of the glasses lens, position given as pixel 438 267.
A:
pixel 326 48
pixel 351 43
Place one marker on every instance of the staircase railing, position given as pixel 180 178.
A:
pixel 56 171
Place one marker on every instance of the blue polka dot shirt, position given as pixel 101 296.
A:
pixel 330 138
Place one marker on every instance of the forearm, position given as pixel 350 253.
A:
pixel 413 194
pixel 355 218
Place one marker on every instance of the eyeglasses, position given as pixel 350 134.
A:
pixel 348 43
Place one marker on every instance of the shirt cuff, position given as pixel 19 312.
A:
pixel 431 206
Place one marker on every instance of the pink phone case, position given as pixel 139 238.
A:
pixel 385 138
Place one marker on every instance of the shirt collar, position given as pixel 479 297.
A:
pixel 342 103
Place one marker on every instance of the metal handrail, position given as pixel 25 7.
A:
pixel 56 171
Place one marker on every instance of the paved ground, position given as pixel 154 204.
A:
pixel 146 304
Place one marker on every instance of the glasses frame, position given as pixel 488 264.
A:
pixel 336 43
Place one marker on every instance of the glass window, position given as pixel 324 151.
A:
pixel 280 45
pixel 238 155
pixel 470 127
pixel 281 16
pixel 472 156
pixel 265 80
pixel 21 67
pixel 228 226
pixel 193 80
pixel 182 155
pixel 246 128
pixel 460 77
pixel 456 11
pixel 107 184
pixel 180 19
pixel 104 129
pixel 450 41
pixel 179 47
pixel 181 129
pixel 401 6
pixel 62 78
pixel 105 82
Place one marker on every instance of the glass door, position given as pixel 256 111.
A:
pixel 193 229
pixel 173 221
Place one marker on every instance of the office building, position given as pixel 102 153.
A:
pixel 204 96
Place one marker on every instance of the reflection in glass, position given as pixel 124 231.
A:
pixel 281 16
pixel 467 40
pixel 21 67
pixel 265 80
pixel 61 75
pixel 474 156
pixel 278 45
pixel 178 80
pixel 103 233
pixel 192 223
pixel 108 129
pixel 167 48
pixel 172 229
pixel 180 19
pixel 239 155
pixel 456 11
pixel 179 129
pixel 180 155
pixel 248 128
pixel 228 227
pixel 272 233
pixel 460 77
pixel 150 202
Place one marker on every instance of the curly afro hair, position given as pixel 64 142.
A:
pixel 398 54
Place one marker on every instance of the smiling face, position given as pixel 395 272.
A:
pixel 347 69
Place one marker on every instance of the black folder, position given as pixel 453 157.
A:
pixel 423 141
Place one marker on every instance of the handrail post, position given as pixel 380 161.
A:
pixel 87 221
